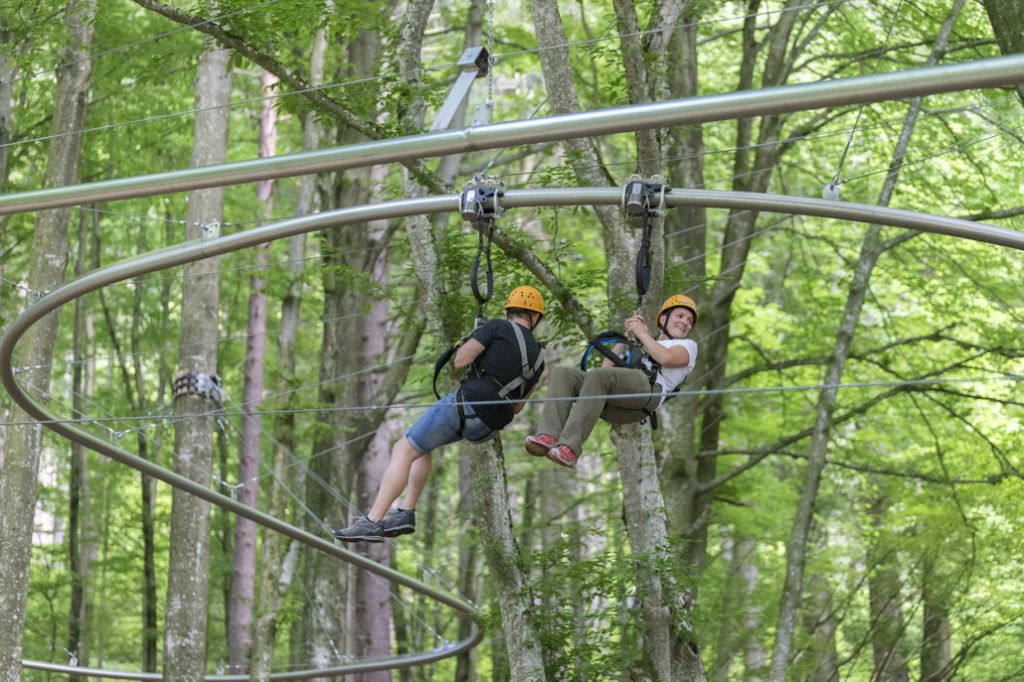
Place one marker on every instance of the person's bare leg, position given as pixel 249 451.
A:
pixel 395 477
pixel 418 476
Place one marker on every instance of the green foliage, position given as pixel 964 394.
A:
pixel 947 455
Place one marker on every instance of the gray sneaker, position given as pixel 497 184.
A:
pixel 363 530
pixel 398 522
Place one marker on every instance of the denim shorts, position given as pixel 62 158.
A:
pixel 439 426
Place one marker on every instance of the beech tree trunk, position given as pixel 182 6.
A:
pixel 501 552
pixel 884 601
pixel 670 643
pixel 821 625
pixel 188 564
pixel 274 578
pixel 243 577
pixel 686 241
pixel 1007 18
pixel 7 73
pixel 20 467
pixel 936 634
pixel 78 479
pixel 871 249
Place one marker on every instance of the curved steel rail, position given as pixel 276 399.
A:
pixel 781 99
pixel 192 251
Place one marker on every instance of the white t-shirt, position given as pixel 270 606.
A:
pixel 670 377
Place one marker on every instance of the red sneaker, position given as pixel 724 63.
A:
pixel 539 445
pixel 563 454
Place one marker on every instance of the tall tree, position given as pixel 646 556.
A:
pixel 243 576
pixel 20 466
pixel 872 248
pixel 1007 18
pixel 277 569
pixel 197 390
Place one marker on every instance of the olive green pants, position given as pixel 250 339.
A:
pixel 571 421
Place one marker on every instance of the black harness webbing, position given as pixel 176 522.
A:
pixel 479 204
pixel 527 372
pixel 643 200
pixel 633 358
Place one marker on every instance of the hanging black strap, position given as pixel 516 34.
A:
pixel 643 200
pixel 483 249
pixel 480 205
pixel 643 264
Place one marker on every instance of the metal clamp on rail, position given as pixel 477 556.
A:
pixel 644 198
pixel 200 384
pixel 480 200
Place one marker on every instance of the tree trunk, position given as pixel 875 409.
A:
pixel 670 644
pixel 272 575
pixel 1007 18
pixel 822 625
pixel 936 635
pixel 8 69
pixel 243 577
pixel 20 466
pixel 501 552
pixel 469 574
pixel 739 617
pixel 884 601
pixel 686 241
pixel 188 564
pixel 78 479
pixel 372 625
pixel 871 249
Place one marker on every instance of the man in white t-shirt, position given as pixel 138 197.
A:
pixel 566 424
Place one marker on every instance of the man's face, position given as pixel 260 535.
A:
pixel 679 322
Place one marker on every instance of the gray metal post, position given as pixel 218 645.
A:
pixel 474 63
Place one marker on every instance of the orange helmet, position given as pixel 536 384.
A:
pixel 679 301
pixel 525 298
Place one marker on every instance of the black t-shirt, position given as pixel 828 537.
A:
pixel 501 358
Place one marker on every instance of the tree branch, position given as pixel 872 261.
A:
pixel 316 96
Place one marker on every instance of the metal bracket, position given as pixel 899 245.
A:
pixel 480 199
pixel 200 384
pixel 644 198
pixel 473 64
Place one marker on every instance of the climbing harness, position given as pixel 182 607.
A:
pixel 480 205
pixel 643 200
pixel 479 388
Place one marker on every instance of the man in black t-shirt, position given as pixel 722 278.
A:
pixel 505 362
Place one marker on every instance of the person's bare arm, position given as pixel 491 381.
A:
pixel 618 349
pixel 467 353
pixel 676 356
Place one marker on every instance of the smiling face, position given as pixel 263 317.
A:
pixel 679 322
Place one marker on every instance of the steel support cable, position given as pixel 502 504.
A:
pixel 999 71
pixel 192 251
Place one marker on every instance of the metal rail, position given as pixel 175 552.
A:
pixel 999 71
pixel 192 251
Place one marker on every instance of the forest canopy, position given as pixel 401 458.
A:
pixel 834 493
